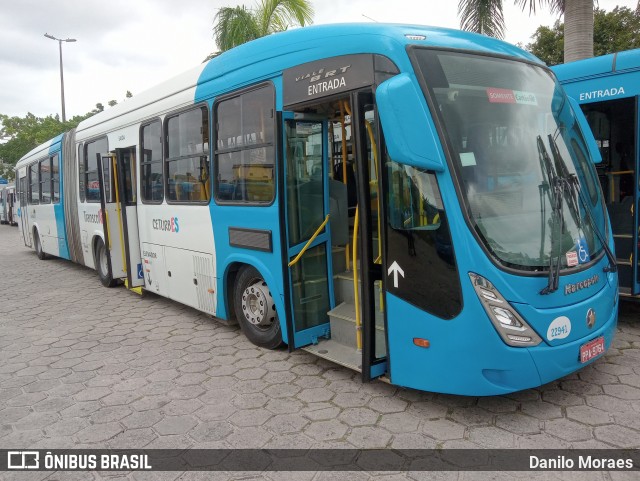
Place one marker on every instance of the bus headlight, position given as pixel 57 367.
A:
pixel 512 328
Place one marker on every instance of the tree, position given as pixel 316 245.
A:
pixel 234 26
pixel 612 32
pixel 548 43
pixel 486 16
pixel 19 135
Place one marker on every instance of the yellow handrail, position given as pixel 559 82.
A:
pixel 356 291
pixel 374 150
pixel 612 185
pixel 306 246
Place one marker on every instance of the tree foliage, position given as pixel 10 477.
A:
pixel 487 16
pixel 233 26
pixel 19 135
pixel 612 32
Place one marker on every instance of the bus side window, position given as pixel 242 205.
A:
pixel 55 180
pixel 419 241
pixel 414 199
pixel 45 181
pixel 245 147
pixel 92 183
pixel 187 156
pixel 34 184
pixel 151 182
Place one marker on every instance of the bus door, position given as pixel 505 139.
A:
pixel 111 215
pixel 368 258
pixel 24 211
pixel 636 211
pixel 614 124
pixel 333 214
pixel 127 196
pixel 308 229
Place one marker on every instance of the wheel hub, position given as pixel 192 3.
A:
pixel 257 305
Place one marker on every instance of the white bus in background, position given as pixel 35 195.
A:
pixel 8 213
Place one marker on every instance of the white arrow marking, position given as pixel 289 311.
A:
pixel 395 269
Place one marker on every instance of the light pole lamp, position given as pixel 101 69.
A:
pixel 60 40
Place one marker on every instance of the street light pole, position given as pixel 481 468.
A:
pixel 60 40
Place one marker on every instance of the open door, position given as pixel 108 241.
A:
pixel 308 228
pixel 24 211
pixel 111 215
pixel 368 259
pixel 128 198
pixel 635 257
pixel 615 125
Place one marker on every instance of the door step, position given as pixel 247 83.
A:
pixel 343 327
pixel 343 288
pixel 338 353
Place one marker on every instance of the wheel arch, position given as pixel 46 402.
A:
pixel 94 244
pixel 231 270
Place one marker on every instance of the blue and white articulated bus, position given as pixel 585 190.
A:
pixel 8 214
pixel 410 202
pixel 608 90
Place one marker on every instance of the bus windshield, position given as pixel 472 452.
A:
pixel 527 183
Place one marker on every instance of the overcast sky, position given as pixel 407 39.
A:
pixel 134 44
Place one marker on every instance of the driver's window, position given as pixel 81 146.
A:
pixel 414 199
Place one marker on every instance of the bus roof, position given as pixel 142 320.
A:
pixel 605 65
pixel 266 55
pixel 39 151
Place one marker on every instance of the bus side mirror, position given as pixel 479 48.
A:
pixel 409 131
pixel 594 151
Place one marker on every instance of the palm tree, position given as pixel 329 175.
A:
pixel 234 26
pixel 486 16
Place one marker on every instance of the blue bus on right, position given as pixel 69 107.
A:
pixel 608 89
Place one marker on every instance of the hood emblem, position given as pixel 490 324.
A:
pixel 591 318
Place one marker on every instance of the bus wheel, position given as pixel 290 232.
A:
pixel 38 245
pixel 256 310
pixel 102 265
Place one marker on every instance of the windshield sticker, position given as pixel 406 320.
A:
pixel 501 96
pixel 467 159
pixel 526 98
pixel 507 96
pixel 583 251
pixel 560 328
pixel 572 258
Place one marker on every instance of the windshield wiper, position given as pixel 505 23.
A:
pixel 554 185
pixel 572 183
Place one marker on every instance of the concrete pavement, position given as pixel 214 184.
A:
pixel 88 367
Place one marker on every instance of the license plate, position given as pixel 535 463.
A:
pixel 591 349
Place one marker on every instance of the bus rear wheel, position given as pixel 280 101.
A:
pixel 103 266
pixel 38 246
pixel 256 310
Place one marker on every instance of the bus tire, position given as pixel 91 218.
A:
pixel 256 310
pixel 38 246
pixel 103 266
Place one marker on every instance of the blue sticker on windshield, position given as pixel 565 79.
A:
pixel 583 251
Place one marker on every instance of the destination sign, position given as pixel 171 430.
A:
pixel 327 77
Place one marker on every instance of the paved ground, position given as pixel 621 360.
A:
pixel 85 366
